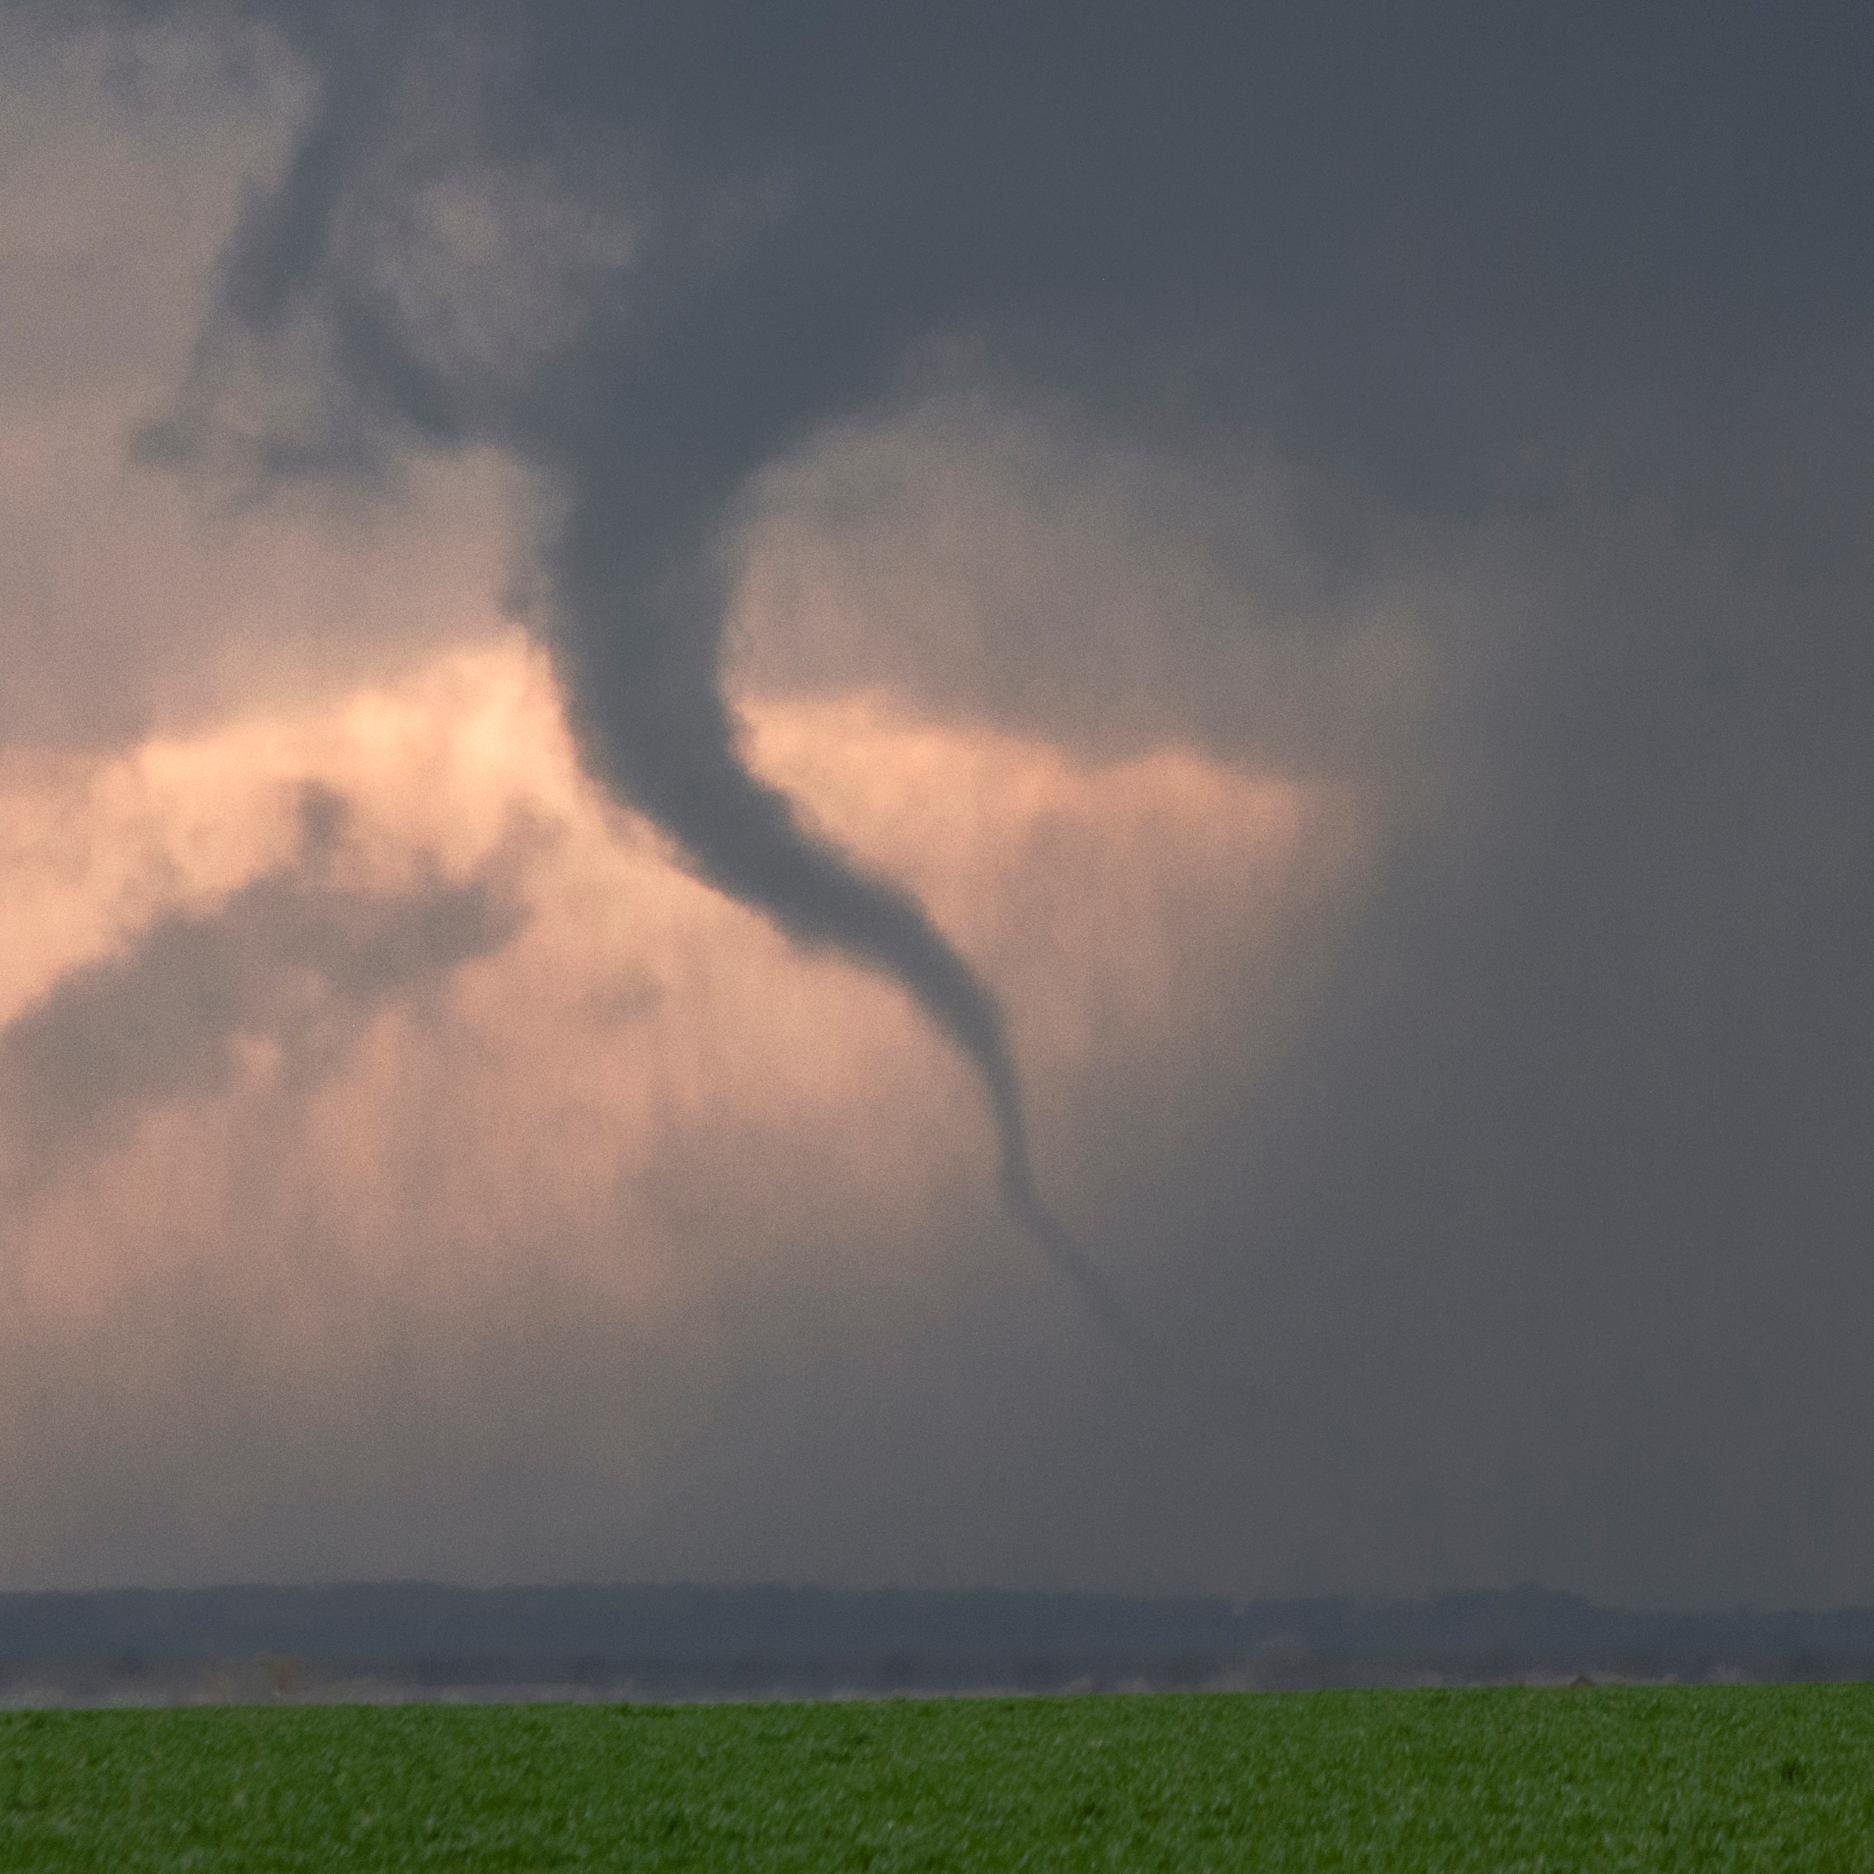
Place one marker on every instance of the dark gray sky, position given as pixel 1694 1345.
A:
pixel 613 610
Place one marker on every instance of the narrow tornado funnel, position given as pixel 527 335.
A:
pixel 647 417
pixel 638 660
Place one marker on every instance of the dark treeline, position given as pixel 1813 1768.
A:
pixel 707 1641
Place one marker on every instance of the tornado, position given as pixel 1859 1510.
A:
pixel 638 659
pixel 645 430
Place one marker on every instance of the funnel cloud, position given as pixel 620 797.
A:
pixel 670 424
pixel 641 669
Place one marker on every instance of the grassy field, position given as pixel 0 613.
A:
pixel 1719 1777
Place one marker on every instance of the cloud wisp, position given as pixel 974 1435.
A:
pixel 293 961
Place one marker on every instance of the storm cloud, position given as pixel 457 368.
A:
pixel 1456 421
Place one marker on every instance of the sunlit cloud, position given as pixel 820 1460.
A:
pixel 633 1058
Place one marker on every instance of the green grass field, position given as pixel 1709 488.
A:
pixel 1720 1777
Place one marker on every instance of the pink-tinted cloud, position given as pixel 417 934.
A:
pixel 376 1012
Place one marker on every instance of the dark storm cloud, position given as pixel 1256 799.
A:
pixel 1547 1234
pixel 649 443
pixel 131 600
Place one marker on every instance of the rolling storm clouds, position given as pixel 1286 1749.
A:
pixel 612 613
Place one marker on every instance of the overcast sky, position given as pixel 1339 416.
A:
pixel 647 646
